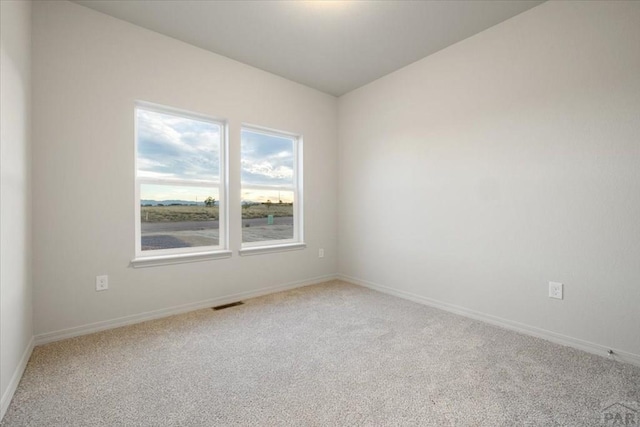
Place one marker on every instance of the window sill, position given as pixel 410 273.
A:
pixel 154 261
pixel 257 250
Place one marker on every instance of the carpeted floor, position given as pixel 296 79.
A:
pixel 331 354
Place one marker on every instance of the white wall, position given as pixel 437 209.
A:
pixel 88 71
pixel 16 328
pixel 478 174
pixel 472 177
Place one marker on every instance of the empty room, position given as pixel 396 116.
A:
pixel 318 213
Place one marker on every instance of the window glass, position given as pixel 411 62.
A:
pixel 178 217
pixel 174 147
pixel 267 159
pixel 268 218
pixel 271 190
pixel 178 188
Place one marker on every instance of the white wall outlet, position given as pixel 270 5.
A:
pixel 321 253
pixel 556 290
pixel 102 283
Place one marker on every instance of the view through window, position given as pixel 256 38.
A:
pixel 270 187
pixel 178 181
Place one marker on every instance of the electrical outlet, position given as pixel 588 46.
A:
pixel 556 290
pixel 102 283
pixel 320 253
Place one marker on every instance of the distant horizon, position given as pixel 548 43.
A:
pixel 198 202
pixel 172 147
pixel 199 194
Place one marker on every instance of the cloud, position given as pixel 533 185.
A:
pixel 177 147
pixel 266 159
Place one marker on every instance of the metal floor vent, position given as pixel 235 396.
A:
pixel 222 307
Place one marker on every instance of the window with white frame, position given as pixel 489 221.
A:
pixel 271 188
pixel 180 188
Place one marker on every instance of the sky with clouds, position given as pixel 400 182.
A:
pixel 266 160
pixel 174 147
pixel 177 147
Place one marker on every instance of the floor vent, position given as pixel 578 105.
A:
pixel 222 307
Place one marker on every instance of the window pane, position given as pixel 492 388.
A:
pixel 178 216
pixel 266 159
pixel 266 215
pixel 170 146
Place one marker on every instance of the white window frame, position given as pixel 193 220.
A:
pixel 191 254
pixel 297 242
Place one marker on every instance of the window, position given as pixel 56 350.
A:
pixel 271 189
pixel 180 191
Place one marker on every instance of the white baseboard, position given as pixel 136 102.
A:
pixel 554 337
pixel 15 379
pixel 49 337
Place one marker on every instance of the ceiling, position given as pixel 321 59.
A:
pixel 333 46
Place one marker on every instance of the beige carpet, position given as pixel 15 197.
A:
pixel 331 354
